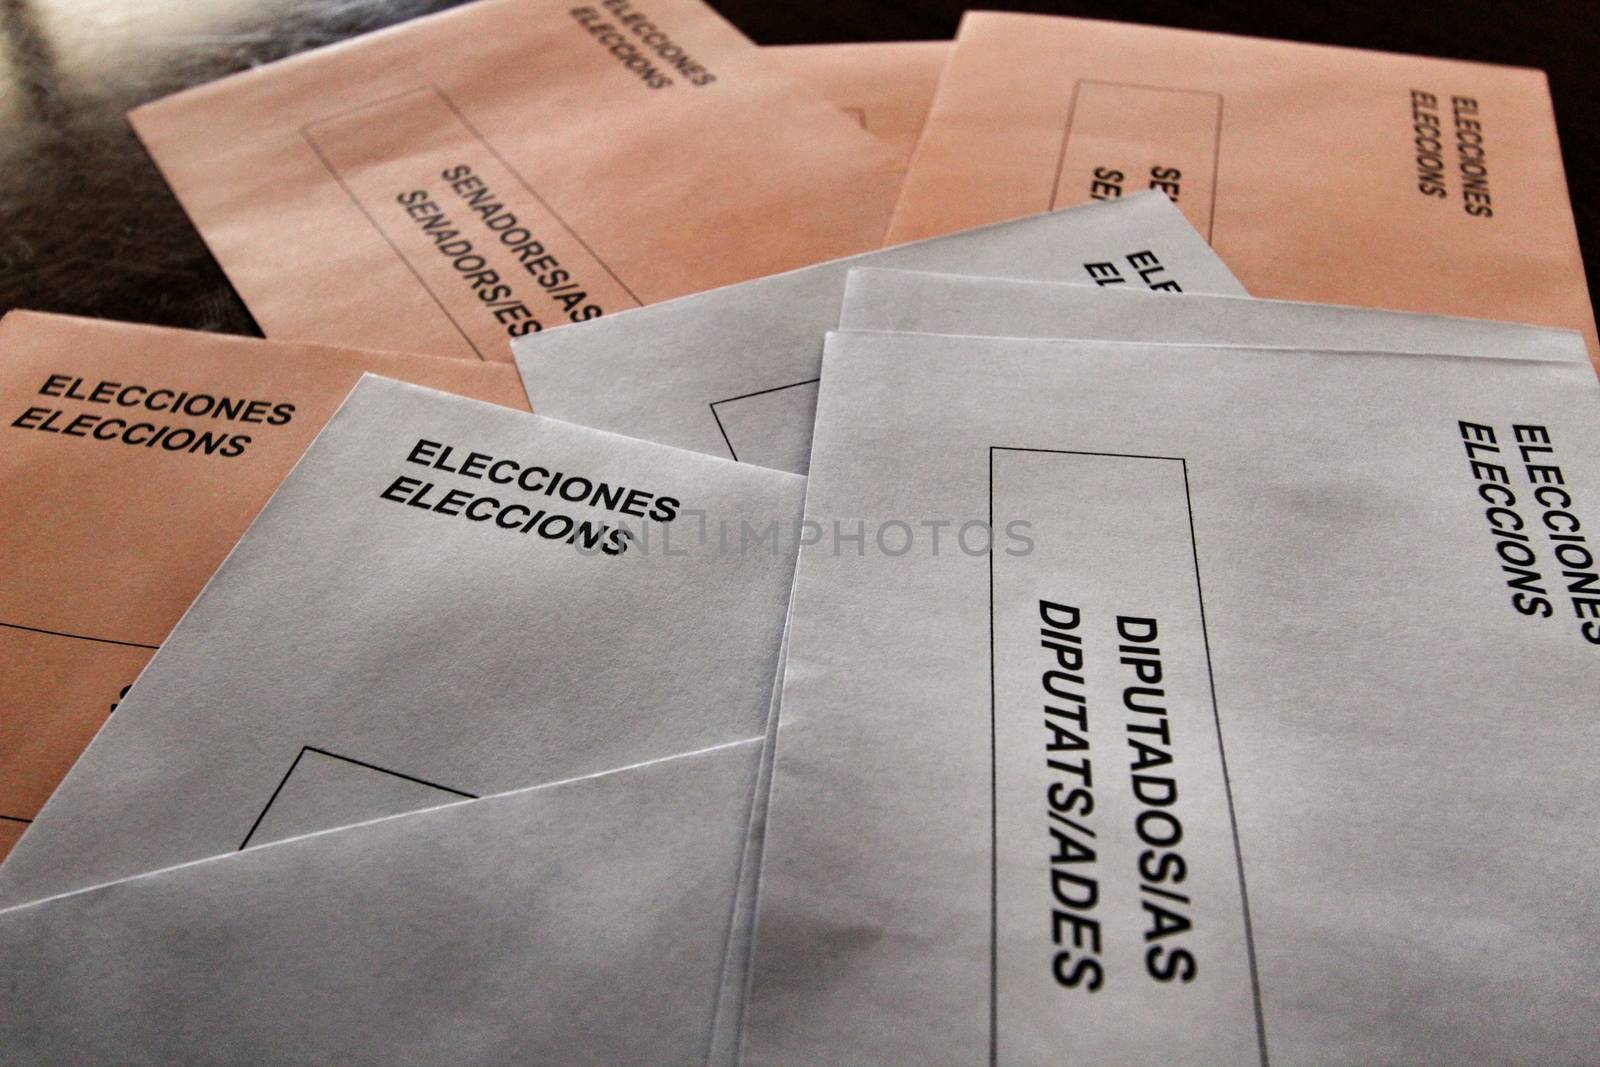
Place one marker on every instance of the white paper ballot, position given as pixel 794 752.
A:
pixel 920 302
pixel 1260 729
pixel 733 372
pixel 444 599
pixel 580 922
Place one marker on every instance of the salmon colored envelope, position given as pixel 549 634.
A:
pixel 1319 174
pixel 886 86
pixel 131 460
pixel 513 165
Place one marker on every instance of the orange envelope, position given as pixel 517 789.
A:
pixel 886 86
pixel 509 166
pixel 1320 174
pixel 131 459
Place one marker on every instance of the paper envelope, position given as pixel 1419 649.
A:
pixel 443 599
pixel 1212 738
pixel 884 299
pixel 122 506
pixel 919 302
pixel 510 166
pixel 886 86
pixel 741 937
pixel 576 923
pixel 733 372
pixel 1318 174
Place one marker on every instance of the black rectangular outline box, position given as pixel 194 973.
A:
pixel 746 396
pixel 994 814
pixel 346 759
pixel 1216 138
pixel 305 135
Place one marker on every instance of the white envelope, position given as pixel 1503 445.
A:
pixel 919 302
pixel 389 635
pixel 579 922
pixel 741 936
pixel 1259 730
pixel 897 300
pixel 733 372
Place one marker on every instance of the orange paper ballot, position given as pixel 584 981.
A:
pixel 887 86
pixel 511 166
pixel 131 459
pixel 1321 174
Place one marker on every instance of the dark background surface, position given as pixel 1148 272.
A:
pixel 87 225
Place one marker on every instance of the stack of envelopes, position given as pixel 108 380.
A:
pixel 957 600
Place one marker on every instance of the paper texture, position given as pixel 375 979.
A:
pixel 1225 756
pixel 741 936
pixel 919 302
pixel 443 599
pixel 510 166
pixel 886 86
pixel 1318 174
pixel 133 458
pixel 882 299
pixel 733 372
pixel 575 923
